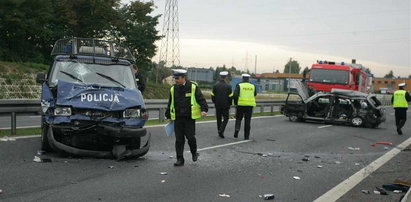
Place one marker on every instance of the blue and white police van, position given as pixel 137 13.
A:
pixel 91 105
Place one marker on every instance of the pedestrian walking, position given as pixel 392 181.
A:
pixel 244 99
pixel 222 97
pixel 400 101
pixel 185 104
pixel 141 82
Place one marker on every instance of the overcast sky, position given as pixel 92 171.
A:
pixel 232 32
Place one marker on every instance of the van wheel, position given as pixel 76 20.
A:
pixel 357 121
pixel 293 118
pixel 45 146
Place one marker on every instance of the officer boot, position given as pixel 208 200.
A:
pixel 179 162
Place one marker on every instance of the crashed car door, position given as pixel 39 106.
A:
pixel 294 107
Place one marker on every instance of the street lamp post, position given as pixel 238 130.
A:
pixel 289 75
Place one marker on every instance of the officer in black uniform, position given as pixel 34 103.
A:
pixel 244 99
pixel 185 105
pixel 141 82
pixel 222 98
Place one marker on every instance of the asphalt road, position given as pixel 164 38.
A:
pixel 235 170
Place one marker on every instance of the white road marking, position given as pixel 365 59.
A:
pixel 345 186
pixel 326 126
pixel 223 145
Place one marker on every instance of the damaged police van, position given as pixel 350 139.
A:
pixel 91 105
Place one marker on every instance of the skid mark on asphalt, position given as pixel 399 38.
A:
pixel 345 186
pixel 326 126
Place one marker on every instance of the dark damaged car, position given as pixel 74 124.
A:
pixel 90 102
pixel 338 106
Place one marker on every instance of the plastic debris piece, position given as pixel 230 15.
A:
pixel 163 173
pixel 1 191
pixel 382 192
pixel 386 148
pixel 297 178
pixel 7 138
pixel 171 157
pixel 40 152
pixel 111 167
pixel 269 154
pixel 268 196
pixel 319 166
pixel 383 143
pixel 377 192
pixel 162 181
pixel 365 191
pixel 357 164
pixel 41 160
pixel 224 195
pixel 392 187
pixel 354 148
pixel 397 191
pixel 337 162
pixel 306 159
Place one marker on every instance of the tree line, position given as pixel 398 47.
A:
pixel 29 28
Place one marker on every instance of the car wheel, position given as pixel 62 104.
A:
pixel 45 146
pixel 357 121
pixel 293 118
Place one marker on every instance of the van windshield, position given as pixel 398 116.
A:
pixel 329 76
pixel 84 73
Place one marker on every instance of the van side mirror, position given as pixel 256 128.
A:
pixel 41 78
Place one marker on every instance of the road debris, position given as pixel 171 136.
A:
pixel 163 173
pixel 296 177
pixel 382 143
pixel 267 196
pixel 1 191
pixel 41 160
pixel 162 181
pixel 337 162
pixel 40 152
pixel 397 191
pixel 319 166
pixel 171 157
pixel 7 138
pixel 224 195
pixel 380 191
pixel 365 191
pixel 111 167
pixel 354 148
pixel 392 187
pixel 306 159
pixel 357 164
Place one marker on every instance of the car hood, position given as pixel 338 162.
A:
pixel 98 97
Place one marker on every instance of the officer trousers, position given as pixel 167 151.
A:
pixel 400 117
pixel 246 112
pixel 221 124
pixel 185 127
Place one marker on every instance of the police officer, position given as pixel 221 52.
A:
pixel 400 101
pixel 244 99
pixel 185 105
pixel 222 98
pixel 141 82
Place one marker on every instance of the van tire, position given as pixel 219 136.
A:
pixel 45 145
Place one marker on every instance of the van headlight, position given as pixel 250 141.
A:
pixel 62 111
pixel 131 113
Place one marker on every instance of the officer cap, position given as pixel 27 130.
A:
pixel 223 74
pixel 245 75
pixel 179 72
pixel 402 84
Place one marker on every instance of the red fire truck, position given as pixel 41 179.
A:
pixel 327 75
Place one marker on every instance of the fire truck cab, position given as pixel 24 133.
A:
pixel 324 76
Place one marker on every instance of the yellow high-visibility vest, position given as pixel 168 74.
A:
pixel 195 107
pixel 246 96
pixel 399 99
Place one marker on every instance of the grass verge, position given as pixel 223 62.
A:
pixel 37 131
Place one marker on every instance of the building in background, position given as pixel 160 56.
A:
pixel 388 86
pixel 200 74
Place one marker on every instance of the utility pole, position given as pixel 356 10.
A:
pixel 289 75
pixel 255 66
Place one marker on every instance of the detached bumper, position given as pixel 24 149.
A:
pixel 119 151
